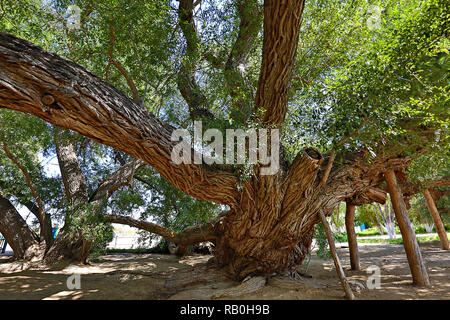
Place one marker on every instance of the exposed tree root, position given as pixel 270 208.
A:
pixel 247 286
pixel 297 275
pixel 357 286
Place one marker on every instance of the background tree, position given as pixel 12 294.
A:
pixel 386 218
pixel 367 214
pixel 27 144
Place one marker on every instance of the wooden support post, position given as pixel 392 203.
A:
pixel 412 249
pixel 351 235
pixel 337 263
pixel 436 219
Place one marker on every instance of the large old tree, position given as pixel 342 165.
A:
pixel 269 223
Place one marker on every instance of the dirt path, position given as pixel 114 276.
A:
pixel 127 276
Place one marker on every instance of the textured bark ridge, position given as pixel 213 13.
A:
pixel 270 222
pixel 271 230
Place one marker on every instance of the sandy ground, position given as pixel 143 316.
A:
pixel 152 276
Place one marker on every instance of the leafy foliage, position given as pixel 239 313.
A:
pixel 88 221
pixel 322 242
pixel 374 85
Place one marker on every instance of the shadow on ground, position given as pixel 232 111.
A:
pixel 154 276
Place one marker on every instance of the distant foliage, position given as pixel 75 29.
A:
pixel 320 236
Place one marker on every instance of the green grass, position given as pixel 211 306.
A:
pixel 340 236
pixel 374 232
pixel 400 240
pixel 368 232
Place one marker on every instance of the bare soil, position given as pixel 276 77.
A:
pixel 153 276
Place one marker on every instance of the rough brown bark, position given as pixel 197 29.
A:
pixel 282 20
pixel 68 245
pixel 351 235
pixel 73 179
pixel 412 249
pixel 15 230
pixel 271 230
pixel 437 220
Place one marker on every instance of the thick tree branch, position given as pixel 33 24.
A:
pixel 187 84
pixel 354 180
pixel 73 178
pixel 95 109
pixel 167 234
pixel 122 177
pixel 14 228
pixel 300 178
pixel 282 20
pixel 190 235
pixel 21 197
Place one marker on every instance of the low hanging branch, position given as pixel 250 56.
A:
pixel 194 234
